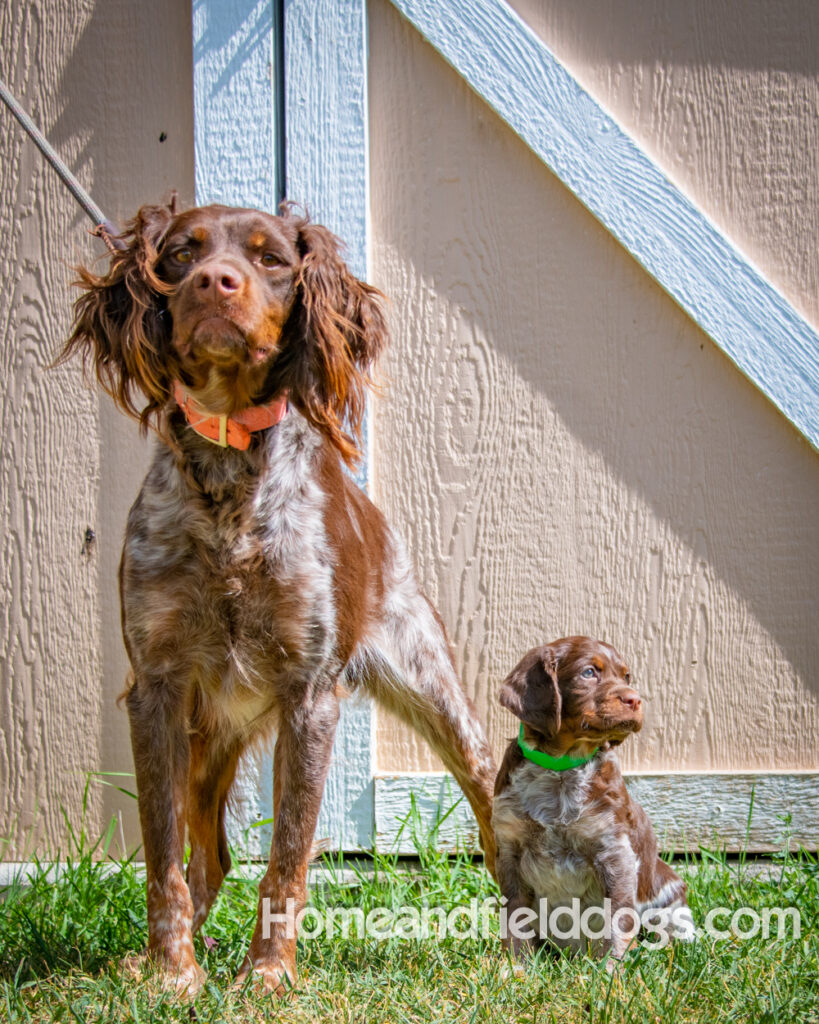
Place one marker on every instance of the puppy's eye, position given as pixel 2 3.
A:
pixel 270 260
pixel 588 673
pixel 183 255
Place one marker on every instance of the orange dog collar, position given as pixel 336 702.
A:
pixel 234 430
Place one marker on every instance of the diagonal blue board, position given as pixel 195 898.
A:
pixel 513 71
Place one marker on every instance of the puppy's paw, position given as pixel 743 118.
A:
pixel 513 970
pixel 614 966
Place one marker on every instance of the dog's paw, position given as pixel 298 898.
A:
pixel 183 980
pixel 273 978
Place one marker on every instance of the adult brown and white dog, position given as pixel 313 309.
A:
pixel 258 583
pixel 566 828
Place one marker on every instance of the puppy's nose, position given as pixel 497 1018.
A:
pixel 220 280
pixel 631 699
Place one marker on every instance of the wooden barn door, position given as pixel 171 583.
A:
pixel 563 443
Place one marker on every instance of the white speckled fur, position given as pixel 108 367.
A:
pixel 556 859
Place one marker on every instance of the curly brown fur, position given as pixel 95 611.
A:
pixel 119 319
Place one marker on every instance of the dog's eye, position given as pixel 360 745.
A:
pixel 183 255
pixel 270 260
pixel 588 673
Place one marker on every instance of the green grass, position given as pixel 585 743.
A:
pixel 61 941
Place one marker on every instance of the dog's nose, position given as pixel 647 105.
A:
pixel 631 699
pixel 219 279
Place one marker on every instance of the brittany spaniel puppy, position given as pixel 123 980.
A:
pixel 568 833
pixel 258 583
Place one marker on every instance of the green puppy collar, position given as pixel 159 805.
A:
pixel 554 764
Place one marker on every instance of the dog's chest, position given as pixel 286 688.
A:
pixel 548 818
pixel 234 592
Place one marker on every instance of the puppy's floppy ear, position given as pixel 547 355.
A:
pixel 120 322
pixel 531 692
pixel 339 330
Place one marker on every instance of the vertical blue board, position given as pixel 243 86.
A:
pixel 235 164
pixel 326 113
pixel 325 46
pixel 237 155
pixel 234 105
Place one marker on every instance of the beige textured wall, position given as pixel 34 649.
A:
pixel 104 79
pixel 562 448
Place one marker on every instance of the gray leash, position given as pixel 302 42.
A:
pixel 103 227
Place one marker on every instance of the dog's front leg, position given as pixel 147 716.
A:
pixel 161 759
pixel 301 761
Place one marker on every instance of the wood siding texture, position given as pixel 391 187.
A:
pixel 565 451
pixel 104 80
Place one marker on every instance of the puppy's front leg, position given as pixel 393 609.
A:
pixel 520 937
pixel 161 759
pixel 617 870
pixel 300 765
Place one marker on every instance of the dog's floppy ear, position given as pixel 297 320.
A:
pixel 531 691
pixel 120 321
pixel 340 330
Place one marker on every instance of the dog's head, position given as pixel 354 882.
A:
pixel 240 306
pixel 575 690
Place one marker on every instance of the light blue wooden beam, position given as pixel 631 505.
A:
pixel 234 163
pixel 233 103
pixel 326 115
pixel 517 75
pixel 325 169
pixel 327 172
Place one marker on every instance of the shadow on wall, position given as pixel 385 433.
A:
pixel 127 93
pixel 119 108
pixel 499 251
pixel 251 21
